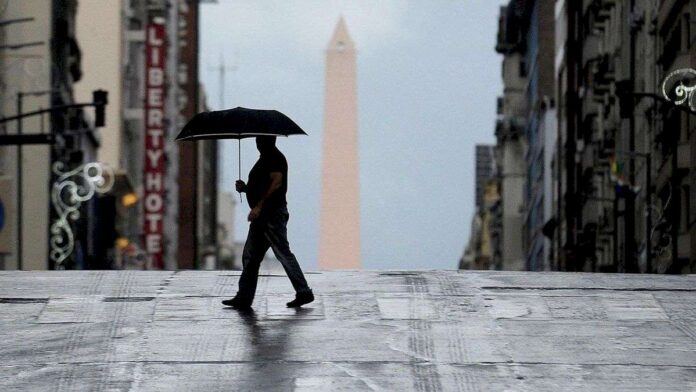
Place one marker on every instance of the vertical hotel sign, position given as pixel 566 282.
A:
pixel 154 165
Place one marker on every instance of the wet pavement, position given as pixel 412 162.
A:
pixel 390 331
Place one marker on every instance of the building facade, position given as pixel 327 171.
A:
pixel 127 211
pixel 537 45
pixel 51 225
pixel 511 143
pixel 627 194
pixel 485 170
pixel 674 155
pixel 227 251
pixel 609 158
pixel 483 241
pixel 100 33
pixel 174 222
pixel 483 238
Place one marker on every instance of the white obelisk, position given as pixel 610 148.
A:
pixel 339 245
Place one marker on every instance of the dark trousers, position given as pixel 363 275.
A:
pixel 269 231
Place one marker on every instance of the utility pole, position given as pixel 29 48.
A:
pixel 222 70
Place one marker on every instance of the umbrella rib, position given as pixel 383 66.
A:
pixel 238 135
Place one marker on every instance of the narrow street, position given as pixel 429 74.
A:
pixel 391 331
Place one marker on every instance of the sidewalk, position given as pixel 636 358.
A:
pixel 391 331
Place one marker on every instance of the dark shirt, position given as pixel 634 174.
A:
pixel 260 180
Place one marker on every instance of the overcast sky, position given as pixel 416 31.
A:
pixel 428 77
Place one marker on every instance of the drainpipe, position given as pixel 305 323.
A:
pixel 629 218
pixel 648 217
pixel 571 113
pixel 19 184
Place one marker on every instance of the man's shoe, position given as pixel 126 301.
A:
pixel 237 303
pixel 301 299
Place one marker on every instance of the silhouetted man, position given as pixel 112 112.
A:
pixel 268 184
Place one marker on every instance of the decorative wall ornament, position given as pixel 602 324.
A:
pixel 69 191
pixel 674 89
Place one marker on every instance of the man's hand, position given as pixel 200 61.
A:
pixel 240 185
pixel 254 214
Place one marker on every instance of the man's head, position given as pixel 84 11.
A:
pixel 265 143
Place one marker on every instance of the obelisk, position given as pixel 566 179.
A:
pixel 339 244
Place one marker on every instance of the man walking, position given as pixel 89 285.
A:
pixel 266 190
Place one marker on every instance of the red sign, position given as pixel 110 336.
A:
pixel 154 166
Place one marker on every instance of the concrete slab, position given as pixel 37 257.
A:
pixel 391 330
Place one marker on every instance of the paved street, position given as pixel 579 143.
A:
pixel 391 331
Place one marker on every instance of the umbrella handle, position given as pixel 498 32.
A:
pixel 239 164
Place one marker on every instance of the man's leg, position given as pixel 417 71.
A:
pixel 254 250
pixel 277 236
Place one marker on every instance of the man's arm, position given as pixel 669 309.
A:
pixel 276 183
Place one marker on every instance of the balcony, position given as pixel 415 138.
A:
pixel 508 31
pixel 510 128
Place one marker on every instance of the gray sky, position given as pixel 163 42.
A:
pixel 428 77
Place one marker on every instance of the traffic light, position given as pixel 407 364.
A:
pixel 100 98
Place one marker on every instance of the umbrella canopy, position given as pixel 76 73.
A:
pixel 238 123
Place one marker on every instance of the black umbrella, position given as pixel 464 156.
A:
pixel 238 123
